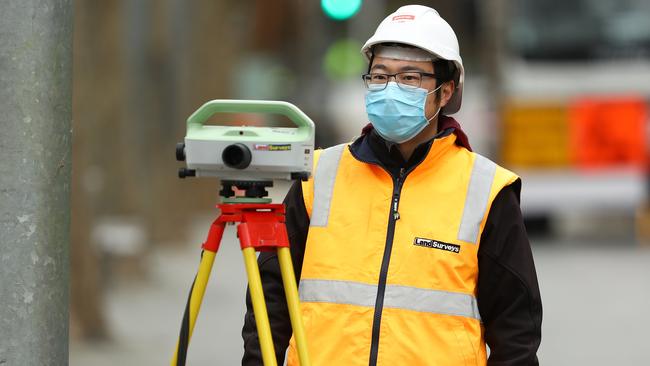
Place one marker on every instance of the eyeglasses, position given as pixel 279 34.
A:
pixel 405 80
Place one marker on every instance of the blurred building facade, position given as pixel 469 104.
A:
pixel 573 86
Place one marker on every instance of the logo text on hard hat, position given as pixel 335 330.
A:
pixel 403 17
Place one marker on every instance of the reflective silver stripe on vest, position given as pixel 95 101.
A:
pixel 338 292
pixel 478 194
pixel 431 301
pixel 398 297
pixel 324 179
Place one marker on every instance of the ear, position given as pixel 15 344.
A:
pixel 447 91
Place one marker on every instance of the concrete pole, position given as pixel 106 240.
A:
pixel 35 120
pixel 494 20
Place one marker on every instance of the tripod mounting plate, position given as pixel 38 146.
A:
pixel 254 191
pixel 235 200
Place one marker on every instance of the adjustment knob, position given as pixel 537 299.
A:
pixel 184 173
pixel 180 151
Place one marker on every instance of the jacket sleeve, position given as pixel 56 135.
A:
pixel 297 222
pixel 508 293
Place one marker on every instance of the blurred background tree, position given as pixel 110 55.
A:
pixel 141 67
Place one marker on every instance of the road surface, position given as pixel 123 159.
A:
pixel 596 300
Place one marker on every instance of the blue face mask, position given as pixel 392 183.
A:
pixel 397 114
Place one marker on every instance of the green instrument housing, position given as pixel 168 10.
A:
pixel 246 153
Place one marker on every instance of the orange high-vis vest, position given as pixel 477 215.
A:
pixel 390 269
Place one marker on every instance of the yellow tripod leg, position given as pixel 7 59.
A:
pixel 196 295
pixel 293 302
pixel 259 307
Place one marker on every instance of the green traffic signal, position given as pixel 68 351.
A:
pixel 341 9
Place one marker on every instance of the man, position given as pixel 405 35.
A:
pixel 410 249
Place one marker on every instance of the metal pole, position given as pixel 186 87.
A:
pixel 35 120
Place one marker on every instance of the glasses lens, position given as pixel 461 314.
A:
pixel 378 78
pixel 376 87
pixel 375 81
pixel 409 79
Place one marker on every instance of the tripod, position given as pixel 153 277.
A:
pixel 260 227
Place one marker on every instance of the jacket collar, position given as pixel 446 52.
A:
pixel 444 123
pixel 449 134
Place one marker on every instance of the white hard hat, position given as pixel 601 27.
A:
pixel 422 27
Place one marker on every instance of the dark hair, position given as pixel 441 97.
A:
pixel 446 71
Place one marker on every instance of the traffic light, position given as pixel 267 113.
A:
pixel 340 9
pixel 342 58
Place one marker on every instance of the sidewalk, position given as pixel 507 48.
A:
pixel 144 317
pixel 596 299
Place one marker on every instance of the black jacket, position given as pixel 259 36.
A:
pixel 508 294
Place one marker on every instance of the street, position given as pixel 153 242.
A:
pixel 596 298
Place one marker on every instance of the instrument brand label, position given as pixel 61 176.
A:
pixel 273 147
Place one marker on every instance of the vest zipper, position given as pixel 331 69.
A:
pixel 383 274
pixel 399 181
pixel 390 233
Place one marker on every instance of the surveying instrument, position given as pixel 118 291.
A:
pixel 247 159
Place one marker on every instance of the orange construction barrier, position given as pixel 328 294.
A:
pixel 606 132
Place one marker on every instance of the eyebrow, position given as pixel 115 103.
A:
pixel 402 69
pixel 412 68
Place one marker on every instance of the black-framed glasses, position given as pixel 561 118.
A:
pixel 405 80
